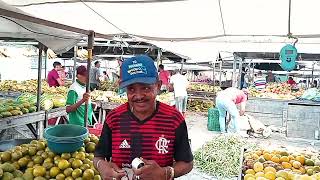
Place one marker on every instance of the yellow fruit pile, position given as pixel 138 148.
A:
pixel 30 86
pixel 277 91
pixel 204 87
pixel 280 165
pixel 36 161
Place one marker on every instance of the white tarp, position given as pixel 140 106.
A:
pixel 181 19
pixel 181 26
pixel 58 40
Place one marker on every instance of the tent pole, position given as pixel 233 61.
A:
pixel 182 63
pixel 45 62
pixel 74 63
pixel 253 72
pixel 39 125
pixel 39 76
pixel 90 48
pixel 234 72
pixel 312 75
pixel 220 75
pixel 240 72
pixel 213 73
pixel 159 61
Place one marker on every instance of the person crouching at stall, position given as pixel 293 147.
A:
pixel 77 97
pixel 226 101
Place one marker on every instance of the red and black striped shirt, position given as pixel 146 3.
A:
pixel 163 137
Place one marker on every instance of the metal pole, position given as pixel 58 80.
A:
pixel 39 76
pixel 182 63
pixel 234 72
pixel 45 62
pixel 39 125
pixel 253 72
pixel 213 73
pixel 240 72
pixel 74 63
pixel 312 76
pixel 90 48
pixel 220 75
pixel 159 61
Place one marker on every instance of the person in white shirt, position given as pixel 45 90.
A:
pixel 180 84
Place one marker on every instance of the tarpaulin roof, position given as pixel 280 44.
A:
pixel 189 22
pixel 57 40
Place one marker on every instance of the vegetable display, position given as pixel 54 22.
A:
pixel 221 156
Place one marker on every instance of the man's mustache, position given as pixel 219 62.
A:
pixel 137 100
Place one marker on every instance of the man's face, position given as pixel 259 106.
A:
pixel 98 65
pixel 82 78
pixel 58 67
pixel 142 97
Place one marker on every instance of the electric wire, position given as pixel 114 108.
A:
pixel 100 15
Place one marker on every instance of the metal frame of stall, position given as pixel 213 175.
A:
pixel 91 35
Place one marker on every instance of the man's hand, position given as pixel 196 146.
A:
pixel 151 170
pixel 110 171
pixel 241 112
pixel 86 97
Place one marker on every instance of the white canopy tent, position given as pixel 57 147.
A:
pixel 55 39
pixel 198 29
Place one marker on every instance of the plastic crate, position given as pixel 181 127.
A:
pixel 213 120
pixel 96 129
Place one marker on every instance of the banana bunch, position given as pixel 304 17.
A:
pixel 204 87
pixel 109 86
pixel 198 105
pixel 30 86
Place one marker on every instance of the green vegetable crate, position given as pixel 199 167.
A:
pixel 213 120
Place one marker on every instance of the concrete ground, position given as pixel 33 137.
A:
pixel 199 135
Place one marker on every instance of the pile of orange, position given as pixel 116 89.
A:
pixel 280 165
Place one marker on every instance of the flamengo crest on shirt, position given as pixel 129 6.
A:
pixel 124 145
pixel 162 145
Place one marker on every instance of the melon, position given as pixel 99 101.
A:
pixel 59 101
pixel 46 104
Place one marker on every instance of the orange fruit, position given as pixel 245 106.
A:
pixel 270 175
pixel 301 159
pixel 255 156
pixel 269 169
pixel 250 171
pixel 258 167
pixel 259 152
pixel 275 159
pixel 286 165
pixel 291 157
pixel 267 156
pixel 284 159
pixel 249 176
pixel 302 170
pixel 296 164
pixel 259 174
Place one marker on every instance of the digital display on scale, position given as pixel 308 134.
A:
pixel 289 51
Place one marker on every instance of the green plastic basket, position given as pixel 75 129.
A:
pixel 213 120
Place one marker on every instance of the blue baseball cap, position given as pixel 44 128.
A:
pixel 138 69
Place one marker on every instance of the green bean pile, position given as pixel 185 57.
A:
pixel 220 157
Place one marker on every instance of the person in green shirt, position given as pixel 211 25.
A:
pixel 77 97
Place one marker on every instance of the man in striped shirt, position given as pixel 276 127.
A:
pixel 143 128
pixel 260 82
